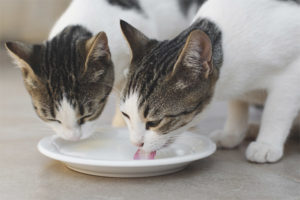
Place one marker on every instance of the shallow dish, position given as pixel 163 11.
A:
pixel 109 153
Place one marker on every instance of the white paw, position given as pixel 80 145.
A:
pixel 226 140
pixel 262 152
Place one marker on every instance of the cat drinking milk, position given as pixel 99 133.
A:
pixel 70 76
pixel 241 51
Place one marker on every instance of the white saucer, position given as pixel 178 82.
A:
pixel 109 153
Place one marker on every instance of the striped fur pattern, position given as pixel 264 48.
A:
pixel 68 77
pixel 150 16
pixel 167 99
pixel 68 95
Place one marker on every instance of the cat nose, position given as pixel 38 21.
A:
pixel 137 140
pixel 141 144
pixel 138 144
pixel 72 135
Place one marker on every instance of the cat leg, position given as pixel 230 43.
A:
pixel 280 110
pixel 235 126
pixel 296 125
pixel 252 131
pixel 118 120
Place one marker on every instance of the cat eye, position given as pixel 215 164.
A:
pixel 81 120
pixel 125 115
pixel 86 116
pixel 54 120
pixel 152 124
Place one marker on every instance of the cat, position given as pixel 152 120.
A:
pixel 242 51
pixel 70 76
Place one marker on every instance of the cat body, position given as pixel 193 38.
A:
pixel 261 65
pixel 255 33
pixel 241 51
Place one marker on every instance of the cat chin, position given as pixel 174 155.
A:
pixel 154 141
pixel 80 133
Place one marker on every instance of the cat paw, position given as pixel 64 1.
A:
pixel 225 140
pixel 262 152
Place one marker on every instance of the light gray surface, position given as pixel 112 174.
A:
pixel 26 174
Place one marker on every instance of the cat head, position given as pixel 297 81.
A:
pixel 169 84
pixel 68 78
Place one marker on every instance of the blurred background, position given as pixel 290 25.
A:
pixel 29 20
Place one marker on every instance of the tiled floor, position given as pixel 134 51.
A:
pixel 26 174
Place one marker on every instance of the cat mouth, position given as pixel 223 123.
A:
pixel 144 155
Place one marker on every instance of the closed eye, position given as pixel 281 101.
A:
pixel 54 120
pixel 125 115
pixel 102 100
pixel 152 124
pixel 82 119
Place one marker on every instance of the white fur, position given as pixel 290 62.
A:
pixel 69 128
pixel 135 123
pixel 137 126
pixel 138 133
pixel 261 44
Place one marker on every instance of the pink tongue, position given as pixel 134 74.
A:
pixel 142 155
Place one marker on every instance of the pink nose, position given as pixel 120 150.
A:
pixel 138 144
pixel 141 144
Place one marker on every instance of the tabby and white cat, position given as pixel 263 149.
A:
pixel 242 51
pixel 70 76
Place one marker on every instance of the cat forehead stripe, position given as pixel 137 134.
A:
pixel 62 63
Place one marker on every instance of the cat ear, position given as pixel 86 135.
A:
pixel 196 56
pixel 97 50
pixel 24 55
pixel 136 39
